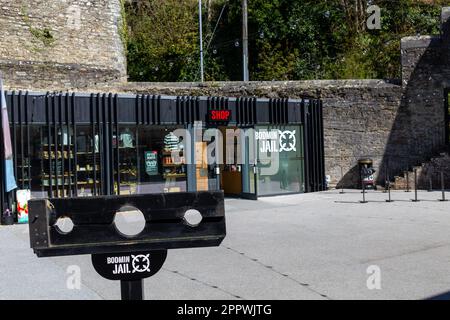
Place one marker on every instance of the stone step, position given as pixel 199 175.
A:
pixel 428 170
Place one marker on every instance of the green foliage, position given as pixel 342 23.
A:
pixel 288 40
pixel 123 30
pixel 43 36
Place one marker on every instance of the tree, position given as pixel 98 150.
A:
pixel 288 40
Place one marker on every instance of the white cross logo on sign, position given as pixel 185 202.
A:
pixel 287 138
pixel 141 263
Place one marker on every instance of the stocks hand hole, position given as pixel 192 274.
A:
pixel 192 217
pixel 129 221
pixel 64 225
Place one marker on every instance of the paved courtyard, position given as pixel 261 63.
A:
pixel 311 246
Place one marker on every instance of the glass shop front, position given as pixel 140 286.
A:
pixel 88 145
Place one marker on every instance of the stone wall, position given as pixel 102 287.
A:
pixel 399 124
pixel 429 175
pixel 61 43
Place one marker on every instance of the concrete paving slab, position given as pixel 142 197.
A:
pixel 309 246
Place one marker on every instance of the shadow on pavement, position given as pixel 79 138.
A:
pixel 441 296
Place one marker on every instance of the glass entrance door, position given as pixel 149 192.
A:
pixel 447 121
pixel 249 168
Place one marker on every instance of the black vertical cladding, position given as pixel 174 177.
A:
pixel 447 118
pixel 21 109
pixel 147 106
pixel 101 143
pixel 243 108
pixel 136 110
pixel 249 111
pixel 92 119
pixel 75 144
pixel 2 163
pixel 270 110
pixel 158 110
pixel 116 124
pixel 61 112
pixel 314 150
pixel 153 107
pixel 14 131
pixel 54 144
pixel 49 145
pixel 286 111
pixel 307 165
pixel 110 140
pixel 103 153
pixel 254 118
pixel 106 157
pixel 238 111
pixel 278 111
pixel 143 109
pixel 28 142
pixel 70 142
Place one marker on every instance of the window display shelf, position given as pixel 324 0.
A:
pixel 55 158
pixel 87 182
pixel 46 183
pixel 169 153
pixel 46 176
pixel 174 175
pixel 171 165
pixel 58 145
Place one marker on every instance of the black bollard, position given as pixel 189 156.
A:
pixel 430 187
pixel 415 186
pixel 342 181
pixel 389 193
pixel 364 192
pixel 389 188
pixel 443 187
pixel 386 181
pixel 407 182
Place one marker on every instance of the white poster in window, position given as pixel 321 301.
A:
pixel 22 205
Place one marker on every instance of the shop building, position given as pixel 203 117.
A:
pixel 72 145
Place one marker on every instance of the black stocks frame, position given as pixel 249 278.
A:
pixel 94 230
pixel 116 256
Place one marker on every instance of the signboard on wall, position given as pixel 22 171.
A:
pixel 22 205
pixel 277 140
pixel 219 116
pixel 151 163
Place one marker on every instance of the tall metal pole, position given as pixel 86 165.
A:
pixel 245 40
pixel 200 22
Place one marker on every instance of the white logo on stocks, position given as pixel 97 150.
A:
pixel 139 263
pixel 268 141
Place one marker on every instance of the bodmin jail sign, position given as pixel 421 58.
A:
pixel 276 141
pixel 129 266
